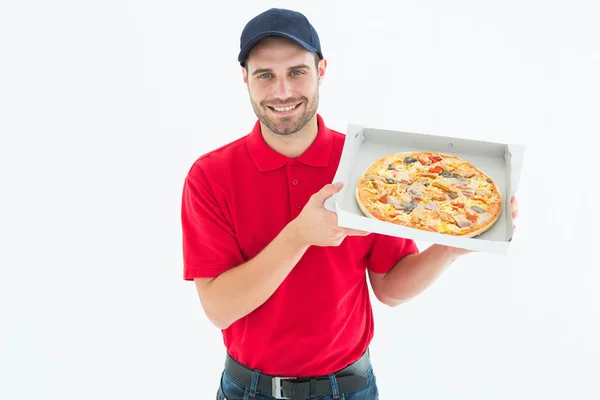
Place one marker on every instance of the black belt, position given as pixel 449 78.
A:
pixel 349 379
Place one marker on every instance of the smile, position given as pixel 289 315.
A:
pixel 283 109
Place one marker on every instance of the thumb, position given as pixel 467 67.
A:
pixel 327 191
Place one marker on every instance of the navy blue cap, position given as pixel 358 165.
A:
pixel 279 22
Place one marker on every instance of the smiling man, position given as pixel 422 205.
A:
pixel 286 285
pixel 283 108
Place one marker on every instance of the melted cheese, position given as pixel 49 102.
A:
pixel 406 171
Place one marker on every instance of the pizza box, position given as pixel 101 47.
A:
pixel 364 145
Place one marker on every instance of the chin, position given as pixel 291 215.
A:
pixel 286 129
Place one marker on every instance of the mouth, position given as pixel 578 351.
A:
pixel 284 110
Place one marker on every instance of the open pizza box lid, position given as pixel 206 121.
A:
pixel 363 146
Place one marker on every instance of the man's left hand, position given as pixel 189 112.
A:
pixel 514 211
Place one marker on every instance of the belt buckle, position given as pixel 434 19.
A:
pixel 276 386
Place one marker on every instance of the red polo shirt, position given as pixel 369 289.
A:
pixel 236 199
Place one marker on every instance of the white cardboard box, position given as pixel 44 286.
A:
pixel 501 162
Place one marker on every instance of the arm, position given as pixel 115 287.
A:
pixel 234 293
pixel 240 290
pixel 412 274
pixel 415 272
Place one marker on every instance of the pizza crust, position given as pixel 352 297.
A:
pixel 379 169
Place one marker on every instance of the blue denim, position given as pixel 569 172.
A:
pixel 229 389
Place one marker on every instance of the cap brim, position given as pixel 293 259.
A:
pixel 245 51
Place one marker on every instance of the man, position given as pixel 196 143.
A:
pixel 286 285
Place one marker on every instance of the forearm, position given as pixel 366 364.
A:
pixel 240 290
pixel 415 272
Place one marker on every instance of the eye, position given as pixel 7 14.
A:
pixel 264 76
pixel 297 72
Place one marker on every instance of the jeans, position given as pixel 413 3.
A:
pixel 232 390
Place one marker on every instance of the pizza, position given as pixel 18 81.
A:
pixel 429 191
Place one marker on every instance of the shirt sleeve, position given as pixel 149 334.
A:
pixel 387 250
pixel 209 243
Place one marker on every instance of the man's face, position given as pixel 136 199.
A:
pixel 283 82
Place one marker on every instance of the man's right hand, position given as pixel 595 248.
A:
pixel 317 226
pixel 238 291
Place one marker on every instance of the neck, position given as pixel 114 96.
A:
pixel 295 144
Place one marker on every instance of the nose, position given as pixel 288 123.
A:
pixel 283 89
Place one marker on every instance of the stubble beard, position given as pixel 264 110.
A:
pixel 286 126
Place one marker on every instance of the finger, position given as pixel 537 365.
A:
pixel 354 232
pixel 338 237
pixel 513 207
pixel 326 192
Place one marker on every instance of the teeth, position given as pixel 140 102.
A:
pixel 284 108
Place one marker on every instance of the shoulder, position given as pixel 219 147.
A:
pixel 219 161
pixel 337 137
pixel 337 144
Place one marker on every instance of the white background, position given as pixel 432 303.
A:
pixel 105 105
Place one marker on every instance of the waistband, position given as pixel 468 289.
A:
pixel 349 379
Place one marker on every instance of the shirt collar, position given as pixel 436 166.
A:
pixel 267 159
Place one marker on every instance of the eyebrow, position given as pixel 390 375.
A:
pixel 263 70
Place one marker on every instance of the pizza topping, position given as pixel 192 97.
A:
pixel 468 192
pixel 379 181
pixel 418 218
pixel 435 170
pixel 447 174
pixel 445 216
pixel 442 186
pixel 459 205
pixel 462 222
pixel 479 199
pixel 419 211
pixel 382 194
pixel 366 193
pixel 477 209
pixel 390 180
pixel 373 177
pixel 424 160
pixel 409 206
pixel 465 173
pixel 488 180
pixel 482 192
pixel 452 195
pixel 459 182
pixel 412 192
pixel 432 194
pixel 391 166
pixel 435 158
pixel 447 165
pixel 394 202
pixel 416 189
pixel 471 217
pixel 432 205
pixel 402 177
pixel 409 160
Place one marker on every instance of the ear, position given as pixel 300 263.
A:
pixel 321 70
pixel 245 75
